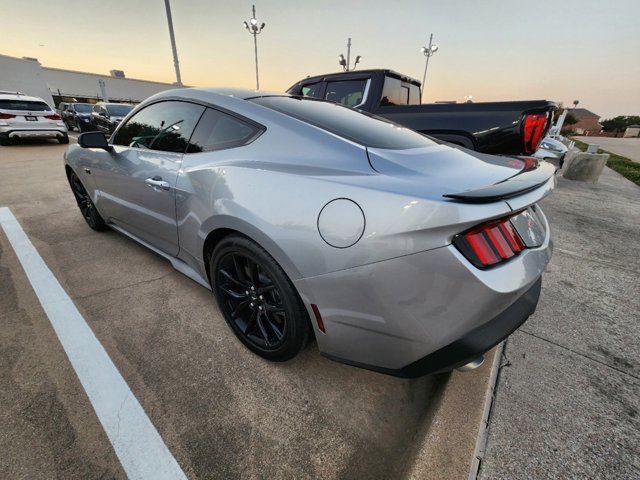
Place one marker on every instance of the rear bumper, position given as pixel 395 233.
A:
pixel 49 133
pixel 470 346
pixel 424 312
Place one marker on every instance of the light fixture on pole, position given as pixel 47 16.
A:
pixel 345 61
pixel 253 29
pixel 427 52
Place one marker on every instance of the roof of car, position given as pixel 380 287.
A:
pixel 13 96
pixel 240 93
pixel 352 74
pixel 112 103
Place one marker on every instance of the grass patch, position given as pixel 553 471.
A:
pixel 625 167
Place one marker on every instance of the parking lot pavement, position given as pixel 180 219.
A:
pixel 568 396
pixel 222 411
pixel 627 147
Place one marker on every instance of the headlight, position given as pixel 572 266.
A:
pixel 548 146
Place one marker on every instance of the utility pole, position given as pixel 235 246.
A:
pixel 173 44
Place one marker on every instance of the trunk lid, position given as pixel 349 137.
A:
pixel 461 174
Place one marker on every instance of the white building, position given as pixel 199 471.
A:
pixel 55 85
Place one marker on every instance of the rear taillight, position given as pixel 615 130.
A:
pixel 55 116
pixel 490 243
pixel 6 116
pixel 533 130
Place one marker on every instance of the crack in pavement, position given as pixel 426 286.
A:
pixel 581 354
pixel 124 400
pixel 112 289
pixel 569 253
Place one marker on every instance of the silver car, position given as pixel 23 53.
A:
pixel 309 219
pixel 553 150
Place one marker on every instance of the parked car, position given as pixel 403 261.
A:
pixel 76 115
pixel 305 217
pixel 491 127
pixel 22 116
pixel 552 149
pixel 105 117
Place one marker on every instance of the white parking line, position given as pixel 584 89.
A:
pixel 142 452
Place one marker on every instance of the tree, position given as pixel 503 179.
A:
pixel 569 120
pixel 620 123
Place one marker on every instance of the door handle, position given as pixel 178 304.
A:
pixel 157 182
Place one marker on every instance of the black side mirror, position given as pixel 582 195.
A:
pixel 94 140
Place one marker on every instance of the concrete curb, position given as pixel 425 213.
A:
pixel 481 442
pixel 449 444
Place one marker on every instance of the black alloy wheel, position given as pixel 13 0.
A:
pixel 88 209
pixel 257 299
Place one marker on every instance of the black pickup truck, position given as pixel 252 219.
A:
pixel 508 128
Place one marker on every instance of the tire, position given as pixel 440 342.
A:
pixel 258 300
pixel 5 141
pixel 64 140
pixel 85 204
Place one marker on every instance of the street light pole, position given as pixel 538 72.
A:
pixel 428 52
pixel 345 62
pixel 173 43
pixel 253 29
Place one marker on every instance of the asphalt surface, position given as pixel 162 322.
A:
pixel 568 395
pixel 627 147
pixel 221 411
pixel 567 399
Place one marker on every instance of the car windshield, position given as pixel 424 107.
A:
pixel 119 110
pixel 26 105
pixel 83 107
pixel 359 127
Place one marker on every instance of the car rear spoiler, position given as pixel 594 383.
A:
pixel 523 182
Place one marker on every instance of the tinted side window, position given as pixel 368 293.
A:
pixel 414 94
pixel 217 131
pixel 349 93
pixel 397 92
pixel 312 90
pixel 165 126
pixel 392 92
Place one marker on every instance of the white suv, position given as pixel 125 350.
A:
pixel 22 116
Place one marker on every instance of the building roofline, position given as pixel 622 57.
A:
pixel 108 76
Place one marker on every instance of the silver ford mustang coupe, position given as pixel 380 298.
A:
pixel 309 219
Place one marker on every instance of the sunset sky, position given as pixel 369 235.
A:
pixel 491 49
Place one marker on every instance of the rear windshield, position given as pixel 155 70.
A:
pixel 359 127
pixel 26 105
pixel 83 107
pixel 119 110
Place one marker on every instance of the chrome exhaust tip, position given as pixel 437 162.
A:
pixel 472 365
